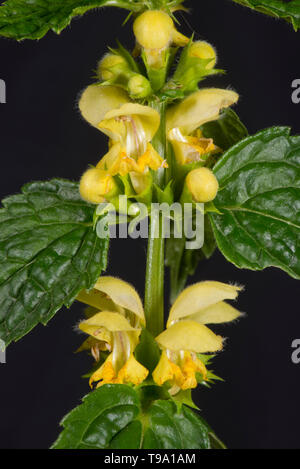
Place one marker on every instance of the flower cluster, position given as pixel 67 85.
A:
pixel 124 105
pixel 115 321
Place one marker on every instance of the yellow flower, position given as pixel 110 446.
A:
pixel 129 126
pixel 155 32
pixel 116 327
pixel 185 118
pixel 187 333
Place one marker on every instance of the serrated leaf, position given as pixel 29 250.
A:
pixel 48 253
pixel 24 19
pixel 259 198
pixel 115 416
pixel 288 10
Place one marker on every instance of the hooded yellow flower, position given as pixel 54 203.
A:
pixel 129 126
pixel 116 327
pixel 186 333
pixel 185 118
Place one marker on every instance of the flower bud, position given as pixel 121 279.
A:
pixel 139 87
pixel 96 185
pixel 153 29
pixel 110 66
pixel 202 184
pixel 203 50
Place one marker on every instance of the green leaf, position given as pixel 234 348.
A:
pixel 115 416
pixel 288 10
pixel 226 131
pixel 32 19
pixel 259 199
pixel 48 253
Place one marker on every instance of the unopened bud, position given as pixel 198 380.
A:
pixel 153 29
pixel 139 87
pixel 110 66
pixel 203 50
pixel 202 184
pixel 97 185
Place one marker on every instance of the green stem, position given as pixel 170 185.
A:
pixel 159 140
pixel 154 291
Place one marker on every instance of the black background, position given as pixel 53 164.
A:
pixel 42 136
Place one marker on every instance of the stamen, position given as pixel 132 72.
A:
pixel 135 136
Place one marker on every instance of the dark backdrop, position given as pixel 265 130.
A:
pixel 43 136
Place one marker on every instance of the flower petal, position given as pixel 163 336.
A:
pixel 132 372
pixel 199 296
pixel 123 294
pixel 166 370
pixel 216 314
pixel 96 101
pixel 105 373
pixel 189 336
pixel 190 149
pixel 112 322
pixel 148 117
pixel 97 300
pixel 198 108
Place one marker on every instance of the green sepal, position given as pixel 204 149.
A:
pixel 165 195
pixel 184 398
pixel 190 71
pixel 121 50
pixel 157 76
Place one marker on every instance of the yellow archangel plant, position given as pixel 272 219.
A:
pixel 166 138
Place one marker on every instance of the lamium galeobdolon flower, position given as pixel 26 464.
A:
pixel 130 127
pixel 187 334
pixel 115 324
pixel 185 119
